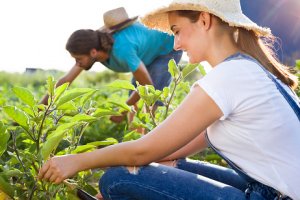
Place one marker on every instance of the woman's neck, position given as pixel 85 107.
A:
pixel 222 45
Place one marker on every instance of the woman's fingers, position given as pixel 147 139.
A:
pixel 58 180
pixel 53 177
pixel 58 168
pixel 47 175
pixel 43 170
pixel 51 171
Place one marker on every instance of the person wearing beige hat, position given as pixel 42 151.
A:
pixel 123 45
pixel 244 109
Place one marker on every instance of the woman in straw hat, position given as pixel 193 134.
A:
pixel 246 104
pixel 123 45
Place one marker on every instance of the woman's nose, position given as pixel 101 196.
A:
pixel 176 45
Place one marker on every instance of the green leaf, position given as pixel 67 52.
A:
pixel 25 95
pixel 173 69
pixel 149 94
pixel 122 84
pixel 90 189
pixel 106 142
pixel 83 118
pixel 54 139
pixel 137 123
pixel 133 135
pixel 100 112
pixel 201 69
pixel 121 104
pixel 28 111
pixel 67 106
pixel 86 97
pixel 6 187
pixel 4 135
pixel 185 86
pixel 212 157
pixel 83 148
pixel 17 115
pixel 166 92
pixel 72 94
pixel 188 69
pixel 60 90
pixel 50 86
pixel 12 173
pixel 298 64
pixel 41 107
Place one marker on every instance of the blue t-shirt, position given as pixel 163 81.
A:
pixel 135 44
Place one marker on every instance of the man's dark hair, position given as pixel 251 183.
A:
pixel 82 41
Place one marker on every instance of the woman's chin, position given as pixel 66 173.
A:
pixel 193 61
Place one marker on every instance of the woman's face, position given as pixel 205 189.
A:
pixel 188 37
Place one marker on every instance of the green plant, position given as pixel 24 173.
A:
pixel 150 117
pixel 70 124
pixel 41 131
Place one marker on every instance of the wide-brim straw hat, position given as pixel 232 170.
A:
pixel 227 10
pixel 116 19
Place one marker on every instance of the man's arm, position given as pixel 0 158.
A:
pixel 69 77
pixel 143 77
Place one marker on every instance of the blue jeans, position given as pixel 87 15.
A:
pixel 190 180
pixel 158 71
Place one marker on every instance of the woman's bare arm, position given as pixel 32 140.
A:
pixel 192 117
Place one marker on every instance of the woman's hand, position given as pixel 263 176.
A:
pixel 59 168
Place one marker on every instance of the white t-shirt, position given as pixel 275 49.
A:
pixel 259 131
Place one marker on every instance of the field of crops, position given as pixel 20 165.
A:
pixel 75 120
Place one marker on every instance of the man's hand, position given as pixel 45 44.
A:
pixel 119 118
pixel 99 196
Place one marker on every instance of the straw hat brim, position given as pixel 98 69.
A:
pixel 158 19
pixel 120 26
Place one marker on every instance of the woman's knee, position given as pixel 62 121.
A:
pixel 109 178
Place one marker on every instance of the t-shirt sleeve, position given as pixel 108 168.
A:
pixel 218 86
pixel 126 55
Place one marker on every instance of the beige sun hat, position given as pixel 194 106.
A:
pixel 228 10
pixel 116 19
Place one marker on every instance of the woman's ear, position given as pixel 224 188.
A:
pixel 205 19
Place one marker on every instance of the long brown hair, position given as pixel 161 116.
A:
pixel 260 48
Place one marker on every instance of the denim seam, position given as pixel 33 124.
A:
pixel 110 188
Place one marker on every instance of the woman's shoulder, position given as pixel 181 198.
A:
pixel 236 75
pixel 237 66
pixel 234 68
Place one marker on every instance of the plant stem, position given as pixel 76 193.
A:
pixel 32 191
pixel 176 82
pixel 151 115
pixel 81 133
pixel 41 128
pixel 16 151
pixel 29 134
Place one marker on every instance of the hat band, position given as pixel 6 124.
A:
pixel 120 25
